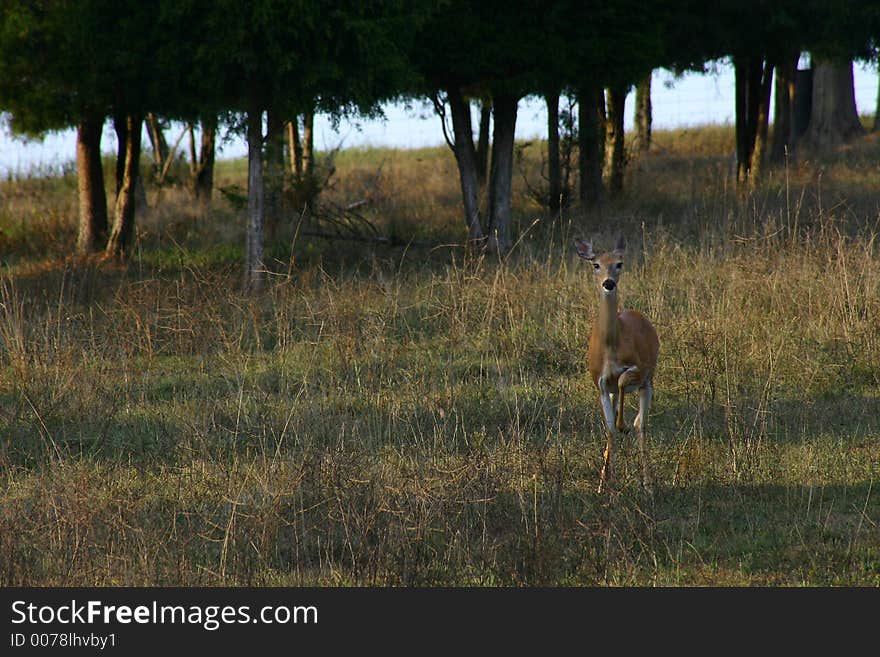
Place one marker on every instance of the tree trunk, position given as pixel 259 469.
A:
pixel 554 168
pixel 465 158
pixel 590 145
pixel 193 155
pixel 834 119
pixel 567 143
pixel 783 110
pixel 747 72
pixel 740 72
pixel 92 230
pixel 876 126
pixel 203 181
pixel 140 193
pixel 615 151
pixel 119 243
pixel 157 140
pixel 308 143
pixel 274 178
pixel 803 103
pixel 120 126
pixel 254 268
pixel 482 153
pixel 501 172
pixel 762 118
pixel 644 115
pixel 295 148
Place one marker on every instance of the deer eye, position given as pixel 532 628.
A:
pixel 596 265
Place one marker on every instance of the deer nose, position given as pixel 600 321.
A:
pixel 609 284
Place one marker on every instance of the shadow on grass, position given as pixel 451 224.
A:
pixel 843 416
pixel 338 518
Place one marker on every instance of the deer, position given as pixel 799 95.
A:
pixel 622 355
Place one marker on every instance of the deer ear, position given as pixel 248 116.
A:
pixel 620 247
pixel 584 249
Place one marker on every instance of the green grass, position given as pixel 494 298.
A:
pixel 419 416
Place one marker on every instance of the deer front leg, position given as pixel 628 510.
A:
pixel 606 477
pixel 606 400
pixel 608 413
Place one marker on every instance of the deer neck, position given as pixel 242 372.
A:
pixel 607 323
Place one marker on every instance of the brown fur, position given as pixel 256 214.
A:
pixel 638 346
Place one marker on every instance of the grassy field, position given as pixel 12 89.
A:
pixel 422 416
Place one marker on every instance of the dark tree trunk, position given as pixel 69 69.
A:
pixel 783 110
pixel 140 193
pixel 120 126
pixel 92 230
pixel 590 145
pixel 119 243
pixel 482 153
pixel 834 119
pixel 203 180
pixel 747 72
pixel 295 148
pixel 615 150
pixel 762 119
pixel 254 268
pixel 567 143
pixel 274 164
pixel 501 172
pixel 601 120
pixel 803 103
pixel 644 115
pixel 465 158
pixel 193 155
pixel 876 126
pixel 308 143
pixel 741 82
pixel 157 140
pixel 554 167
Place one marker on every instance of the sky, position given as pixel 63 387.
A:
pixel 693 99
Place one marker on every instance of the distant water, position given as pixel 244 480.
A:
pixel 693 99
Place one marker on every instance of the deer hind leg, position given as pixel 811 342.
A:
pixel 645 394
pixel 627 378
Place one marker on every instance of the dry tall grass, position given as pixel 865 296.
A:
pixel 424 416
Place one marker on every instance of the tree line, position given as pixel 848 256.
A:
pixel 275 63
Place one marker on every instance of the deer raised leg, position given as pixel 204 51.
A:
pixel 627 378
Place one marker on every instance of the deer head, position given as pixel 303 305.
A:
pixel 606 267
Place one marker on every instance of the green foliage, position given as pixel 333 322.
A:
pixel 61 60
pixel 288 55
